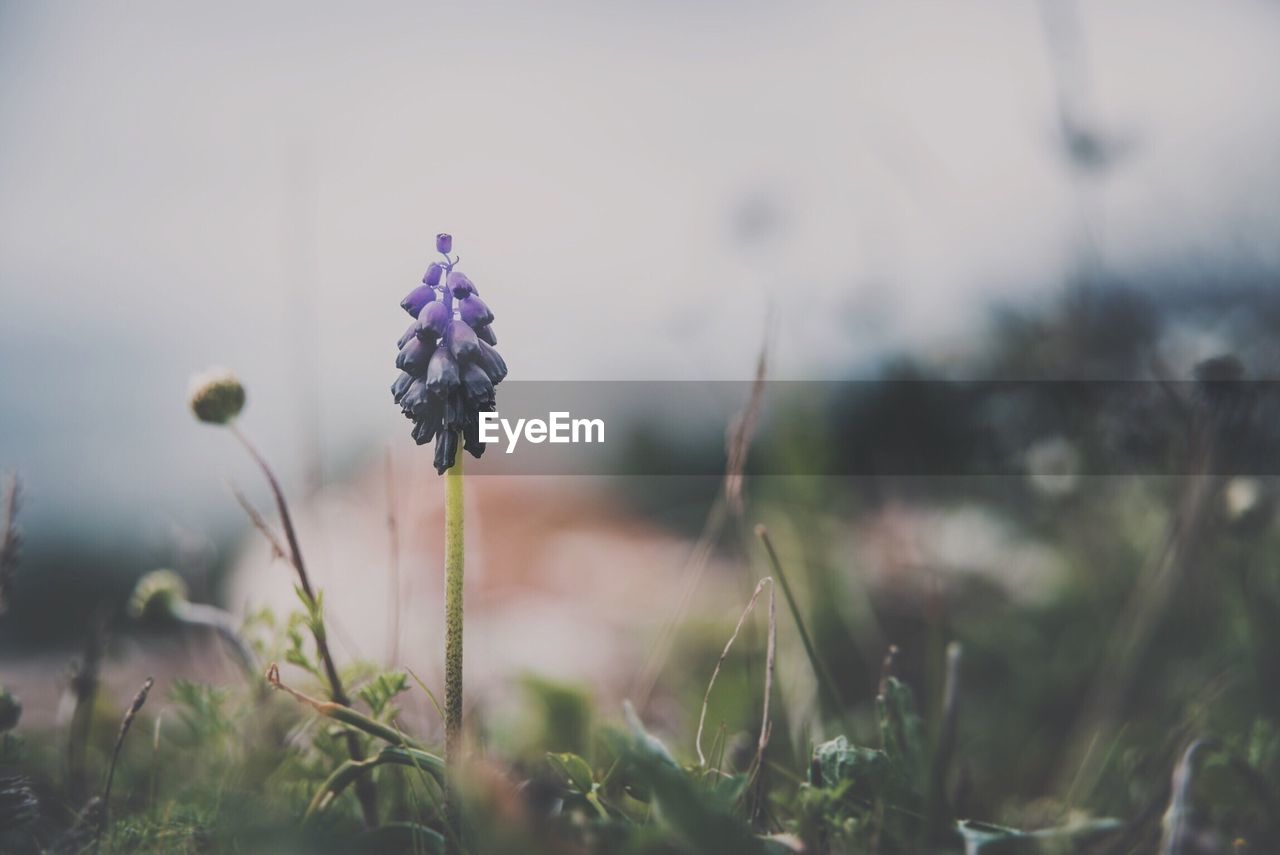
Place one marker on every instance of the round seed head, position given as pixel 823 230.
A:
pixel 216 396
pixel 156 594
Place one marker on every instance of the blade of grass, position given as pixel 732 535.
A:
pixel 826 682
pixel 430 695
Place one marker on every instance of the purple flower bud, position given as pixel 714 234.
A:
pixel 417 298
pixel 401 386
pixel 478 386
pixel 425 430
pixel 432 276
pixel 418 401
pixel 446 450
pixel 408 334
pixel 460 284
pixel 413 357
pixel 471 438
pixel 463 342
pixel 442 372
pixel 433 317
pixel 486 334
pixel 474 311
pixel 492 363
pixel 444 243
pixel 455 411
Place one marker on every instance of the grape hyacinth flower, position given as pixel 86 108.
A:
pixel 447 361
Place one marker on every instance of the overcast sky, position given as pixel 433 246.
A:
pixel 631 185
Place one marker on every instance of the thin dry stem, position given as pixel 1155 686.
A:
pixel 138 700
pixel 277 548
pixel 728 504
pixel 742 431
pixel 706 698
pixel 364 788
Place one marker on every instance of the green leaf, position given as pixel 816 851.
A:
pixel 576 770
pixel 380 691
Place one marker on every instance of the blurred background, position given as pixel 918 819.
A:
pixel 1054 190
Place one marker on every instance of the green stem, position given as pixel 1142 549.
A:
pixel 826 681
pixel 454 562
pixel 353 770
pixel 364 789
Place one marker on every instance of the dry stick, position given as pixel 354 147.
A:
pixel 277 549
pixel 393 536
pixel 825 681
pixel 364 788
pixel 138 700
pixel 706 698
pixel 766 726
pixel 728 504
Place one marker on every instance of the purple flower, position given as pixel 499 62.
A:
pixel 434 318
pixel 411 332
pixel 448 364
pixel 474 312
pixel 460 284
pixel 413 357
pixel 417 298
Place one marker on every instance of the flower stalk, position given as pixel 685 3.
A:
pixel 217 397
pixel 454 564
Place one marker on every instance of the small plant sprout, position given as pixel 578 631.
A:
pixel 161 597
pixel 448 371
pixel 217 397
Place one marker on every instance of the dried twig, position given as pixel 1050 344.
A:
pixel 138 700
pixel 364 788
pixel 728 504
pixel 706 698
pixel 277 549
pixel 742 430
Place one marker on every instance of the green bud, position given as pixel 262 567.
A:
pixel 156 595
pixel 216 396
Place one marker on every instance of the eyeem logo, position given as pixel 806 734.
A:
pixel 558 428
